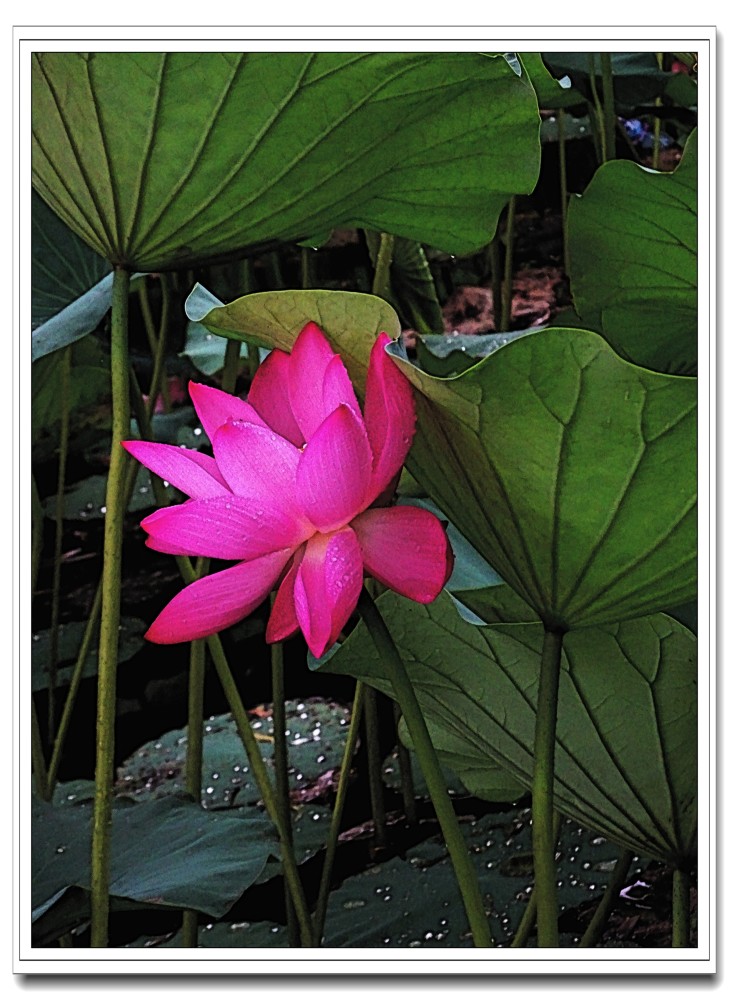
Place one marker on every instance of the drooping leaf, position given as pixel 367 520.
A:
pixel 71 285
pixel 551 92
pixel 87 499
pixel 411 287
pixel 454 353
pixel 204 349
pixel 626 758
pixel 89 385
pixel 414 901
pixel 633 244
pixel 637 77
pixel 167 852
pixel 159 159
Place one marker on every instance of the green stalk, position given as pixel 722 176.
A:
pixel 495 261
pixel 381 280
pixel 110 602
pixel 529 916
pixel 507 285
pixel 65 407
pixel 406 773
pixel 681 910
pixel 68 705
pixel 599 131
pixel 545 878
pixel 230 365
pixel 36 754
pixel 194 755
pixel 617 880
pixel 325 882
pixel 462 864
pixel 563 186
pixel 608 97
pixel 152 336
pixel 159 344
pixel 656 152
pixel 281 766
pixel 374 766
pixel 307 267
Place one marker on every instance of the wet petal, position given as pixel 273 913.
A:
pixel 310 358
pixel 389 417
pixel 333 476
pixel 195 474
pixel 327 587
pixel 214 407
pixel 337 389
pixel 407 549
pixel 225 527
pixel 283 621
pixel 269 396
pixel 219 600
pixel 260 465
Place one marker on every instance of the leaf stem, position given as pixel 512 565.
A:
pixel 65 414
pixel 381 280
pixel 350 747
pixel 617 880
pixel 153 337
pixel 462 864
pixel 599 117
pixel 281 766
pixel 110 612
pixel 406 772
pixel 563 196
pixel 230 365
pixel 681 937
pixel 608 97
pixel 543 791
pixel 374 766
pixel 507 284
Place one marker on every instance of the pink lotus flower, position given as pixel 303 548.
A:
pixel 295 495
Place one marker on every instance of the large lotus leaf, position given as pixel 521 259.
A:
pixel 570 470
pixel 70 636
pixel 167 852
pixel 71 285
pixel 625 762
pixel 414 901
pixel 162 159
pixel 633 243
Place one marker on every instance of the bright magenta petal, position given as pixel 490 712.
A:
pixel 219 600
pixel 327 587
pixel 283 621
pixel 214 407
pixel 333 477
pixel 337 389
pixel 227 527
pixel 196 475
pixel 389 417
pixel 269 397
pixel 260 465
pixel 407 549
pixel 310 358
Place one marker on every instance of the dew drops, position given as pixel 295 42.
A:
pixel 354 904
pixel 60 849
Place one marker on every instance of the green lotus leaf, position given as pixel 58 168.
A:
pixel 158 160
pixel 633 244
pixel 626 757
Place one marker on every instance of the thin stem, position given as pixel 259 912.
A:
pixel 281 765
pixel 36 753
pixel 599 117
pixel 656 152
pixel 608 97
pixel 65 408
pixel 507 285
pixel 68 706
pixel 230 365
pixel 545 878
pixel 374 766
pixel 159 345
pixel 152 336
pixel 406 773
pixel 110 603
pixel 495 261
pixel 194 755
pixel 462 864
pixel 381 280
pixel 681 937
pixel 563 197
pixel 350 747
pixel 617 880
pixel 307 267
